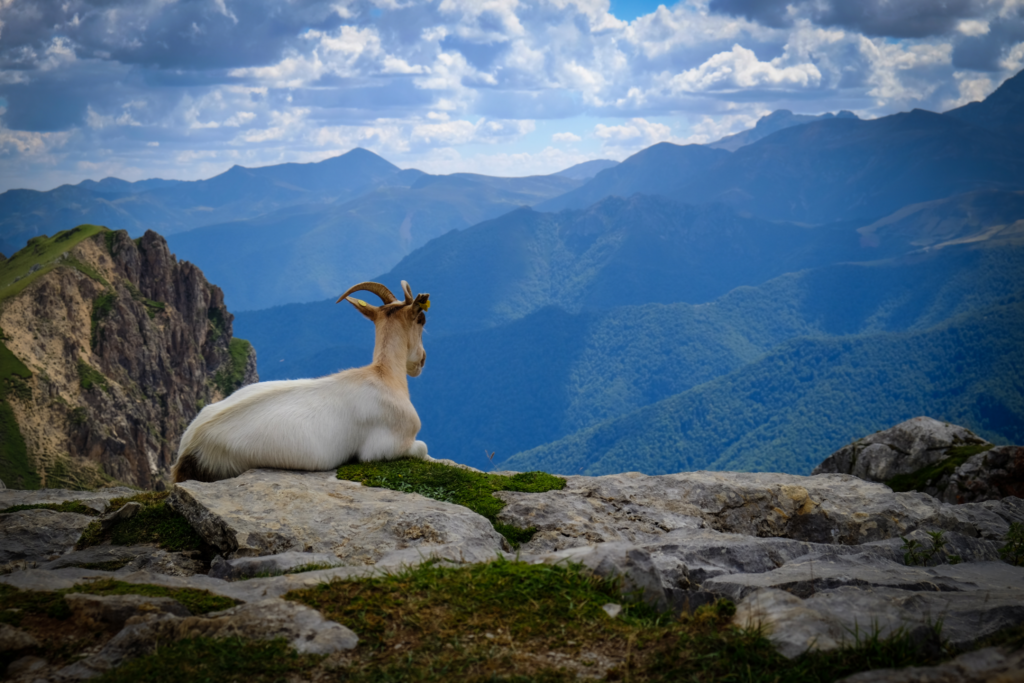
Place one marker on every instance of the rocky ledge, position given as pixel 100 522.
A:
pixel 816 559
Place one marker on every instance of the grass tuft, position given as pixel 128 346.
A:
pixel 454 485
pixel 155 523
pixel 221 660
pixel 194 600
pixel 229 378
pixel 75 506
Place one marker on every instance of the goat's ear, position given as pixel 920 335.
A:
pixel 369 310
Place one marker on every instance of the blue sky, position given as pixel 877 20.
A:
pixel 187 88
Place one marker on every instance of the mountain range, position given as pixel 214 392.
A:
pixel 751 304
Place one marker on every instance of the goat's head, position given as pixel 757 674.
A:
pixel 399 321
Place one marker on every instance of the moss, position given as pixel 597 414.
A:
pixel 75 506
pixel 89 377
pixel 224 660
pixel 153 307
pixel 194 600
pixel 101 308
pixel 229 378
pixel 924 477
pixel 16 604
pixel 16 468
pixel 155 523
pixel 78 416
pixel 454 485
pixel 87 270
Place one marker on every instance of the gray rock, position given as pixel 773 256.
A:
pixel 832 618
pixel 827 509
pixel 633 565
pixel 266 512
pixel 131 558
pixel 987 665
pixel 95 500
pixel 14 639
pixel 304 628
pixel 991 475
pixel 809 575
pixel 245 567
pixel 902 449
pixel 39 535
pixel 112 611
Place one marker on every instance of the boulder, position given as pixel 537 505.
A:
pixel 267 512
pixel 130 558
pixel 34 536
pixel 903 449
pixel 943 460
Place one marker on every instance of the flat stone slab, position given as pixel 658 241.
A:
pixel 828 509
pixel 267 512
pixel 133 557
pixel 988 665
pixel 95 500
pixel 35 536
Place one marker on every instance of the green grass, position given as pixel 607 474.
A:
pixel 87 270
pixel 921 479
pixel 502 620
pixel 16 469
pixel 16 272
pixel 207 660
pixel 454 485
pixel 89 377
pixel 155 523
pixel 1013 550
pixel 16 604
pixel 102 305
pixel 153 307
pixel 229 378
pixel 194 600
pixel 75 506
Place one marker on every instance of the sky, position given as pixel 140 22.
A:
pixel 185 89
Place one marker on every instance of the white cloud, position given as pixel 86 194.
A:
pixel 973 27
pixel 740 68
pixel 971 89
pixel 565 137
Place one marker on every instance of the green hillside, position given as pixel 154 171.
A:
pixel 788 410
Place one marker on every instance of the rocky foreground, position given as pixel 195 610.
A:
pixel 816 559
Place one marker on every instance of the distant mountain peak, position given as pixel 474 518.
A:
pixel 771 123
pixel 1002 111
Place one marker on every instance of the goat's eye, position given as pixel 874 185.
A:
pixel 421 319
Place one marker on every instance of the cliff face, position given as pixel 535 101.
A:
pixel 114 346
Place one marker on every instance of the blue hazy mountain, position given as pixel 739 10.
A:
pixel 1002 111
pixel 169 207
pixel 766 125
pixel 307 253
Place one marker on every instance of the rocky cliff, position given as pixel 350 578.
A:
pixel 110 347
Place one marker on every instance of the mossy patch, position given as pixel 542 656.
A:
pixel 102 306
pixel 928 476
pixel 76 506
pixel 153 307
pixel 509 621
pixel 16 469
pixel 454 485
pixel 194 600
pixel 89 377
pixel 155 523
pixel 222 660
pixel 229 378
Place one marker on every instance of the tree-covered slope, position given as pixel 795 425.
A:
pixel 800 402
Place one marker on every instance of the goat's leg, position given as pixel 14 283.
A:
pixel 418 450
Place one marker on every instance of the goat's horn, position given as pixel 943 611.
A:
pixel 408 292
pixel 374 288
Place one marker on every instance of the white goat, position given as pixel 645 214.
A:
pixel 360 414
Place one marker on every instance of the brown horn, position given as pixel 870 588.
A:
pixel 374 288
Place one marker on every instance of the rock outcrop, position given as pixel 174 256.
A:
pixel 113 346
pixel 943 460
pixel 816 560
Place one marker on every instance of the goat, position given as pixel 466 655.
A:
pixel 361 414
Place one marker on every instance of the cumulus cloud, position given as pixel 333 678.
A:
pixel 176 88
